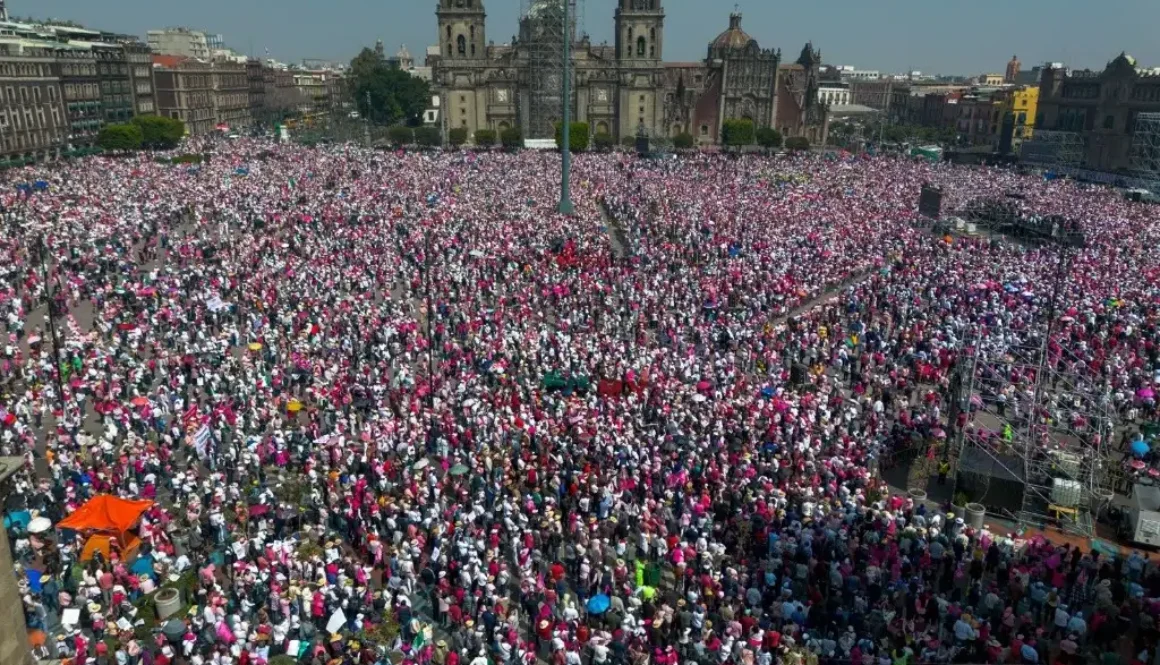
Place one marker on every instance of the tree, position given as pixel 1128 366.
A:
pixel 577 136
pixel 512 138
pixel 769 138
pixel 737 133
pixel 160 133
pixel 603 141
pixel 684 141
pixel 386 95
pixel 429 137
pixel 457 136
pixel 796 143
pixel 400 135
pixel 628 142
pixel 485 138
pixel 121 137
pixel 280 104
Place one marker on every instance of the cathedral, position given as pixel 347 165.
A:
pixel 620 89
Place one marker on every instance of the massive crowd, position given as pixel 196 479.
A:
pixel 392 407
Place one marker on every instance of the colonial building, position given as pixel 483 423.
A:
pixel 32 117
pixel 619 89
pixel 1095 114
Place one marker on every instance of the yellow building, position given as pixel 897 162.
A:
pixel 1022 104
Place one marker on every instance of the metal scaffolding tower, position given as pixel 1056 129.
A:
pixel 1062 151
pixel 1038 418
pixel 542 40
pixel 1144 158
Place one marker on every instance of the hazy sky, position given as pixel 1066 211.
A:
pixel 935 36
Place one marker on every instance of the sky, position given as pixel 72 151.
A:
pixel 933 36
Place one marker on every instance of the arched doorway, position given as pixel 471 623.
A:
pixel 504 126
pixel 602 127
pixel 677 129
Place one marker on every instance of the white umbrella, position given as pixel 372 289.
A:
pixel 39 525
pixel 421 464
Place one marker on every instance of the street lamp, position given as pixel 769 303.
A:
pixel 565 207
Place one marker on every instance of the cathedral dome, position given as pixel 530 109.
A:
pixel 734 37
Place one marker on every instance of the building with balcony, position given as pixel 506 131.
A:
pixel 203 95
pixel 184 90
pixel 140 62
pixel 33 124
pixel 179 41
pixel 115 82
pixel 80 83
pixel 231 95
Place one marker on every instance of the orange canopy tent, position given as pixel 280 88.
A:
pixel 107 520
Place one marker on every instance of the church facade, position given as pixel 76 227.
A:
pixel 622 88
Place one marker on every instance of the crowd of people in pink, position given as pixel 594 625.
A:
pixel 392 407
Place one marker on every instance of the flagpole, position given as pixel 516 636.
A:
pixel 565 207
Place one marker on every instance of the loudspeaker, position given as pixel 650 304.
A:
pixel 642 145
pixel 1006 133
pixel 930 201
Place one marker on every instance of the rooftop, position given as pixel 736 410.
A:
pixel 734 37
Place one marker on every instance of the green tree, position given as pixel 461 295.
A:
pixel 386 95
pixel 429 137
pixel 737 133
pixel 512 138
pixel 577 136
pixel 160 133
pixel 628 142
pixel 485 138
pixel 769 138
pixel 400 135
pixel 457 136
pixel 684 141
pixel 121 137
pixel 797 143
pixel 603 142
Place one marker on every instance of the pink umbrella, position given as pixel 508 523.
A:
pixel 1145 393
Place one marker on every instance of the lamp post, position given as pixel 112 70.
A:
pixel 565 207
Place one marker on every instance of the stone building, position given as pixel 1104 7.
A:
pixel 184 90
pixel 1096 111
pixel 203 95
pixel 140 61
pixel 32 118
pixel 231 95
pixel 81 84
pixel 618 89
pixel 116 83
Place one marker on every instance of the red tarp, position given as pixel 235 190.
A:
pixel 106 513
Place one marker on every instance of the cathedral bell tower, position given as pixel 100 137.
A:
pixel 461 29
pixel 639 30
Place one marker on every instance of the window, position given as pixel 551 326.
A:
pixel 704 130
pixel 640 47
pixel 461 45
pixel 1109 122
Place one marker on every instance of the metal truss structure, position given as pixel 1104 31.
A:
pixel 1060 150
pixel 1144 158
pixel 541 39
pixel 1038 421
